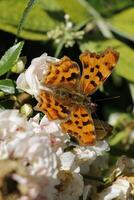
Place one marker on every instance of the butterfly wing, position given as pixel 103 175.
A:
pixel 80 125
pixel 62 74
pixel 102 129
pixel 96 69
pixel 53 107
pixel 79 122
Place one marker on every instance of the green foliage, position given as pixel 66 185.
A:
pixel 122 140
pixel 44 16
pixel 10 58
pixel 122 23
pixel 7 86
pixel 82 13
pixel 109 7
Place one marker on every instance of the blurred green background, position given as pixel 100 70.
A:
pixel 68 27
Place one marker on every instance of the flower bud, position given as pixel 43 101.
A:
pixel 18 67
pixel 26 110
pixel 2 94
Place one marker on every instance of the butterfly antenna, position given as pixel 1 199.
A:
pixel 107 99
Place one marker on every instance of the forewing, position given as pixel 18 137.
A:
pixel 62 74
pixel 80 125
pixel 53 107
pixel 96 69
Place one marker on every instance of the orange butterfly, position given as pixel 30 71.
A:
pixel 68 98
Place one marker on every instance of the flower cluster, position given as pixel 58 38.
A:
pixel 66 33
pixel 43 164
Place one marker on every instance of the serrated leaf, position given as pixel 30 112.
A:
pixel 10 58
pixel 125 66
pixel 7 86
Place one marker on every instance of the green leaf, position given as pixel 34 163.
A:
pixel 99 21
pixel 109 7
pixel 125 67
pixel 7 86
pixel 82 13
pixel 10 58
pixel 44 16
pixel 122 23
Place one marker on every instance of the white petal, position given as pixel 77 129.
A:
pixel 68 161
pixel 30 80
pixel 119 189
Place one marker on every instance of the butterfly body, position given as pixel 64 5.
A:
pixel 69 97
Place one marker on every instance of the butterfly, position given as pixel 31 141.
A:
pixel 68 95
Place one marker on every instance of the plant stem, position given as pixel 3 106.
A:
pixel 23 18
pixel 59 48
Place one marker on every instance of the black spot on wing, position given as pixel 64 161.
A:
pixel 73 76
pixel 86 76
pixel 99 74
pixel 56 103
pixel 80 127
pixel 84 115
pixel 57 71
pixel 93 83
pixel 48 105
pixel 111 68
pixel 87 122
pixel 97 56
pixel 85 65
pixel 106 63
pixel 69 122
pixel 64 109
pixel 76 122
pixel 92 69
pixel 63 78
pixel 97 66
pixel 75 115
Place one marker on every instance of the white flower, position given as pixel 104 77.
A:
pixel 10 123
pixel 71 182
pixel 72 186
pixel 30 80
pixel 31 143
pixel 90 153
pixel 53 130
pixel 113 118
pixel 68 162
pixel 119 189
